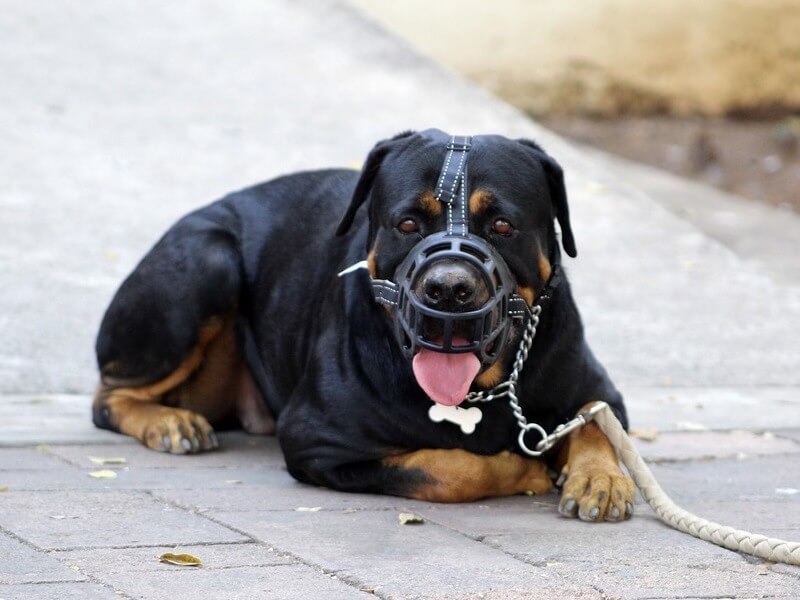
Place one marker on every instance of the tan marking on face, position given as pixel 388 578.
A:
pixel 479 201
pixel 545 269
pixel 460 476
pixel 492 376
pixel 372 265
pixel 526 293
pixel 428 202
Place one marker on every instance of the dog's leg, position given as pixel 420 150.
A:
pixel 460 476
pixel 168 352
pixel 595 488
pixel 436 475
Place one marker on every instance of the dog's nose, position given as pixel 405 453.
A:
pixel 452 286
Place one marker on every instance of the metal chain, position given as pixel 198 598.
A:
pixel 509 387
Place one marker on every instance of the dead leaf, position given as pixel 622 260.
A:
pixel 3 489
pixel 59 517
pixel 649 434
pixel 111 460
pixel 410 519
pixel 182 560
pixel 103 474
pixel 233 481
pixel 308 508
pixel 690 426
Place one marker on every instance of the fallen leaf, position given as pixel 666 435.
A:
pixel 308 508
pixel 103 474
pixel 3 489
pixel 59 517
pixel 646 435
pixel 787 491
pixel 112 460
pixel 41 448
pixel 410 519
pixel 530 493
pixel 233 481
pixel 182 560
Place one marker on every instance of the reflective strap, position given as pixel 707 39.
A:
pixel 452 188
pixel 385 292
pixel 517 307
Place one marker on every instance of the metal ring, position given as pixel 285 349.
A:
pixel 521 438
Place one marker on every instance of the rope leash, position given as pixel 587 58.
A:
pixel 771 549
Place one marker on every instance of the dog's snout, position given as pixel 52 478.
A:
pixel 452 286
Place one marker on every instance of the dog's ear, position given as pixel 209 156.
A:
pixel 364 185
pixel 558 194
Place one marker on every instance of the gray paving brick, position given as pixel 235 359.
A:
pixel 279 491
pixel 276 582
pixel 398 560
pixel 22 564
pixel 57 591
pixel 671 446
pixel 108 561
pixel 792 434
pixel 27 458
pixel 632 559
pixel 749 480
pixel 236 449
pixel 98 519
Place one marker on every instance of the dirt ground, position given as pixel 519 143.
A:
pixel 757 159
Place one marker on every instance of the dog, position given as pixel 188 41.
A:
pixel 246 310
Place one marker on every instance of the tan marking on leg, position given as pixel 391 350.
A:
pixel 479 201
pixel 460 476
pixel 595 488
pixel 428 202
pixel 203 382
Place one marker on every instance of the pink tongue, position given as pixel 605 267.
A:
pixel 446 377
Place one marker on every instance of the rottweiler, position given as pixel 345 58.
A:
pixel 246 310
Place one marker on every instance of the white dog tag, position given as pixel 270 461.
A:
pixel 466 418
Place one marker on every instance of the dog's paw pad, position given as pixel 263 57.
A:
pixel 597 495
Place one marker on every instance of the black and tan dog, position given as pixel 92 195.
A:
pixel 238 313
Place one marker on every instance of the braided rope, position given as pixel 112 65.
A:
pixel 771 549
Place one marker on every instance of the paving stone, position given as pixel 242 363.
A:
pixel 73 478
pixel 792 434
pixel 398 560
pixel 27 458
pixel 30 419
pixel 57 591
pixel 22 564
pixel 276 490
pixel 672 446
pixel 98 519
pixel 278 582
pixel 749 480
pixel 99 562
pixel 236 449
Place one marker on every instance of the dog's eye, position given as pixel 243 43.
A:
pixel 502 227
pixel 408 226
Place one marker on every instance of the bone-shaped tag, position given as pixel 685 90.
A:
pixel 466 418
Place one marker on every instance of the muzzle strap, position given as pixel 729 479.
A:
pixel 452 185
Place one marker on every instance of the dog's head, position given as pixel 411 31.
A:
pixel 516 192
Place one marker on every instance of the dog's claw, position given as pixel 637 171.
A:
pixel 615 513
pixel 214 441
pixel 165 443
pixel 568 507
pixel 628 510
pixel 186 444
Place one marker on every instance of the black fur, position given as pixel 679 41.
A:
pixel 321 349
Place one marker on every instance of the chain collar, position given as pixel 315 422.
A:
pixel 508 388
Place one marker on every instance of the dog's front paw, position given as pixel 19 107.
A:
pixel 178 431
pixel 599 493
